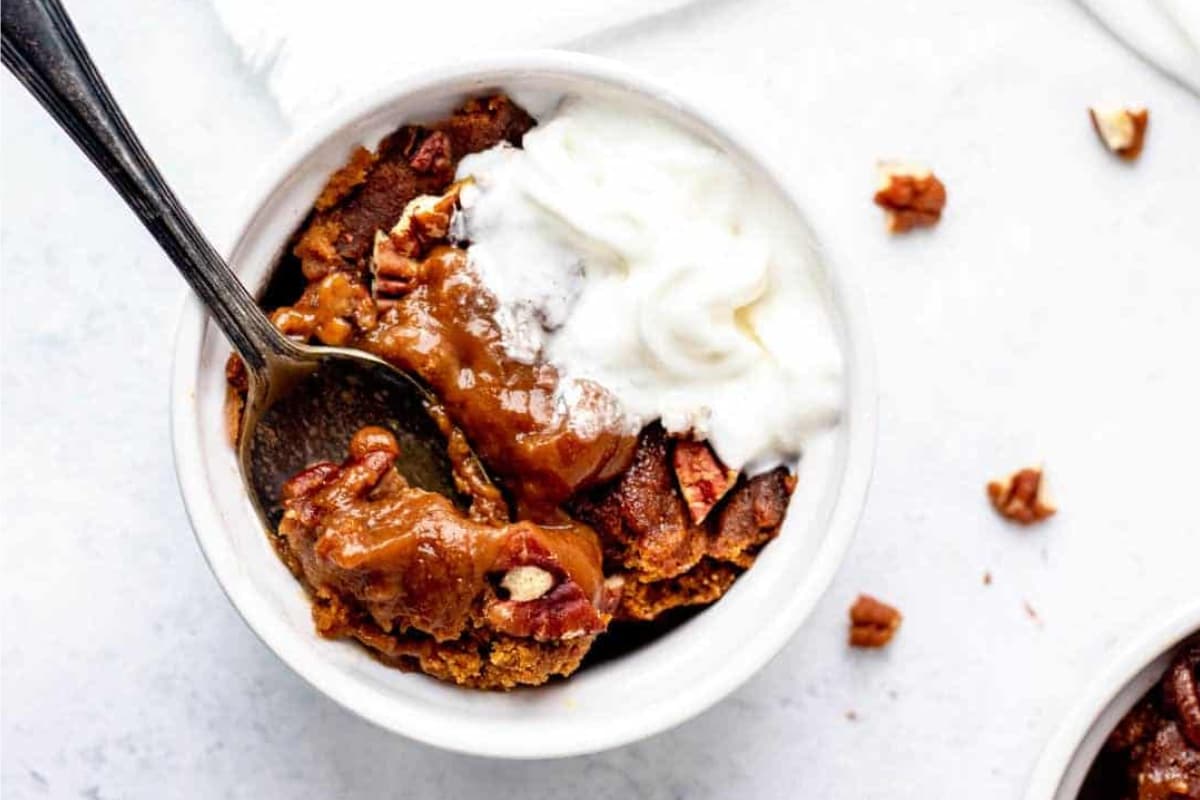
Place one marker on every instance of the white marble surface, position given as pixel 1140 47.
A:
pixel 1055 314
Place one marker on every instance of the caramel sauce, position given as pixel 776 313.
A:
pixel 444 331
pixel 411 557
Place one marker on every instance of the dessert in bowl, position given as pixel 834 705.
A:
pixel 1134 733
pixel 623 315
pixel 1154 751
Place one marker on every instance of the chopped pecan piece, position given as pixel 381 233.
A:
pixel 426 219
pixel 563 613
pixel 394 273
pixel 1167 768
pixel 526 582
pixel 912 196
pixel 703 479
pixel 872 623
pixel 1021 497
pixel 432 155
pixel 543 602
pixel 365 197
pixel 331 309
pixel 396 259
pixel 1181 688
pixel 1123 130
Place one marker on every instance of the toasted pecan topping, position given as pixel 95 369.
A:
pixel 395 274
pixel 1123 130
pixel 873 623
pixel 1021 497
pixel 1181 688
pixel 526 582
pixel 912 196
pixel 703 479
pixel 432 155
pixel 331 310
pixel 396 259
pixel 562 613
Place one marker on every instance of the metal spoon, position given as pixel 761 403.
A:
pixel 304 402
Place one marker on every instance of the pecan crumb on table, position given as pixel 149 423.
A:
pixel 1021 497
pixel 873 623
pixel 1123 130
pixel 912 196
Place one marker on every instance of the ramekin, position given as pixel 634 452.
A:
pixel 645 692
pixel 1136 667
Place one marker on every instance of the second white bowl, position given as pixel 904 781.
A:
pixel 1137 667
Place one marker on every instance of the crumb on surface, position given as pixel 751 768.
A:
pixel 1021 497
pixel 1121 129
pixel 873 623
pixel 912 196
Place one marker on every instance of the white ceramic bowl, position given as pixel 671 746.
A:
pixel 1138 665
pixel 614 703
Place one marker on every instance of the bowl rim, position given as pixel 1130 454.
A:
pixel 1135 654
pixel 860 419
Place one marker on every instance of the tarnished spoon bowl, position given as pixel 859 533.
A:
pixel 324 401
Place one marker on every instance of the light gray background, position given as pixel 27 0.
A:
pixel 1054 314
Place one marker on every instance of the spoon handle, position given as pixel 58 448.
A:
pixel 42 49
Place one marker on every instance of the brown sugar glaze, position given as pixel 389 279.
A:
pixel 443 331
